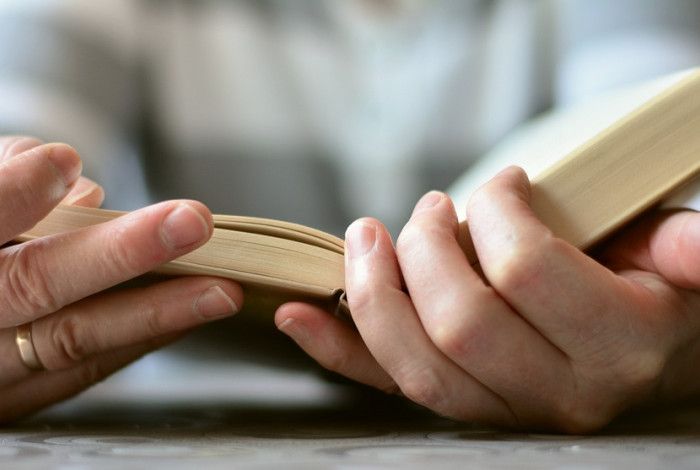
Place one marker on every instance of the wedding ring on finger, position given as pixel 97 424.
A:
pixel 25 345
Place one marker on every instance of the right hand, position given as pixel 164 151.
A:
pixel 80 333
pixel 544 337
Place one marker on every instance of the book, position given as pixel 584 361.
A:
pixel 273 259
pixel 598 165
pixel 583 196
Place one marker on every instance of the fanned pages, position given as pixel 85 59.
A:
pixel 260 253
pixel 583 197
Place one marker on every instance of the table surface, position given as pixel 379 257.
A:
pixel 179 411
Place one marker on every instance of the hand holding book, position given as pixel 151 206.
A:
pixel 52 299
pixel 545 338
pixel 538 335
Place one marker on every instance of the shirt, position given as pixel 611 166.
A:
pixel 314 112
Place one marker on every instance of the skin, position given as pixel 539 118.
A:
pixel 82 334
pixel 545 337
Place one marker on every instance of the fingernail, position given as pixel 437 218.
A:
pixel 66 162
pixel 427 201
pixel 359 239
pixel 184 226
pixel 214 303
pixel 294 329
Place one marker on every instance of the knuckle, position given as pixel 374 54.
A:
pixel 67 341
pixel 583 413
pixel 644 371
pixel 415 235
pixel 121 256
pixel 364 299
pixel 91 372
pixel 459 331
pixel 457 341
pixel 520 269
pixel 406 241
pixel 475 200
pixel 514 271
pixel 425 388
pixel 580 410
pixel 578 416
pixel 483 196
pixel 391 388
pixel 153 319
pixel 370 300
pixel 335 359
pixel 26 285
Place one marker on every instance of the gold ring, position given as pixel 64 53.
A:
pixel 25 344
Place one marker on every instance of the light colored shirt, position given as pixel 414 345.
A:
pixel 315 112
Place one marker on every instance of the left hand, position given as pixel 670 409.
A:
pixel 548 338
pixel 61 327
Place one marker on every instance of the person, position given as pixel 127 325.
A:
pixel 545 337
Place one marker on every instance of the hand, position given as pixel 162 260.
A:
pixel 545 338
pixel 80 333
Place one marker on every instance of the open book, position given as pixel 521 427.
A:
pixel 636 161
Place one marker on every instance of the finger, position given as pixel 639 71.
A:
pixel 388 324
pixel 45 388
pixel 85 193
pixel 44 275
pixel 332 343
pixel 471 324
pixel 32 183
pixel 115 320
pixel 557 288
pixel 666 242
pixel 11 146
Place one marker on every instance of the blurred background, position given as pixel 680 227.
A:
pixel 316 112
pixel 313 112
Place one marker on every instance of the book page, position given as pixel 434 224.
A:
pixel 547 139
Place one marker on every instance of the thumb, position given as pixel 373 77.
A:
pixel 674 246
pixel 667 242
